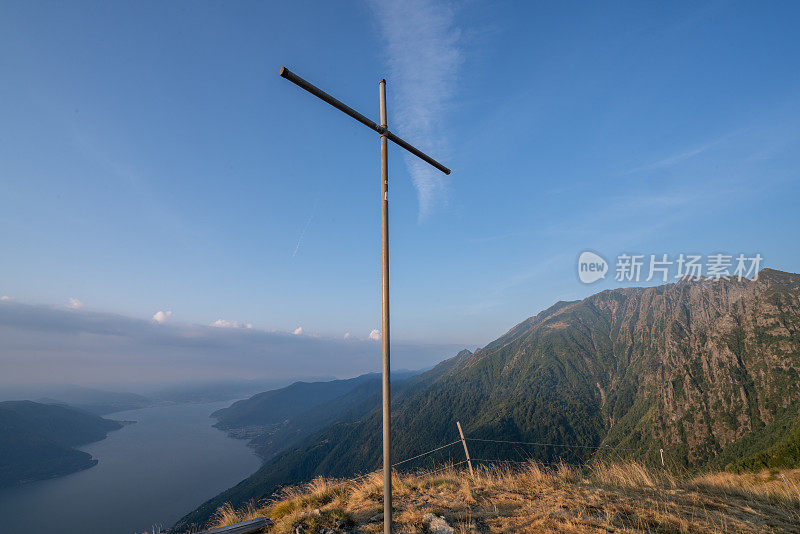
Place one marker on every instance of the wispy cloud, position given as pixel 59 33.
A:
pixel 683 155
pixel 424 54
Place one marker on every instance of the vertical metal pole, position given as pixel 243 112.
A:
pixel 466 450
pixel 387 393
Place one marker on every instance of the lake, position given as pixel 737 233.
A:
pixel 149 473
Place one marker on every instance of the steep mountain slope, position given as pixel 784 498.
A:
pixel 299 462
pixel 693 368
pixel 273 420
pixel 36 440
pixel 272 407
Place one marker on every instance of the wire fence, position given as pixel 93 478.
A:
pixel 426 453
pixel 542 444
pixel 643 455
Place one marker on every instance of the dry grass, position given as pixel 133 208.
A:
pixel 605 497
pixel 768 486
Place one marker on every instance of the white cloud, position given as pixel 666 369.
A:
pixel 6 298
pixel 298 331
pixel 224 323
pixel 162 316
pixel 75 304
pixel 347 335
pixel 375 335
pixel 424 53
pixel 42 342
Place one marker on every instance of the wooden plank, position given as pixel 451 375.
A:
pixel 245 527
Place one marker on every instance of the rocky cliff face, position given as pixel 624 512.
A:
pixel 725 359
pixel 691 367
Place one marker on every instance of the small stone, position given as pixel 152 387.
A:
pixel 376 518
pixel 437 524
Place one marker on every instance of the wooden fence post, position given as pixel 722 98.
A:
pixel 466 451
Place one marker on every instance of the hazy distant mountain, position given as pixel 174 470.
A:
pixel 37 440
pixel 273 407
pixel 708 370
pixel 274 420
pixel 216 391
pixel 96 401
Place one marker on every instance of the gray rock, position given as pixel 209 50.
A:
pixel 437 524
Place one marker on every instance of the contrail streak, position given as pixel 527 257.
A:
pixel 308 222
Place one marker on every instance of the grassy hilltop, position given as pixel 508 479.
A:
pixel 606 497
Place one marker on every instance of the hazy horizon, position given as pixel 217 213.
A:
pixel 51 345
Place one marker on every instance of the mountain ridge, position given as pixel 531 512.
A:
pixel 276 419
pixel 692 367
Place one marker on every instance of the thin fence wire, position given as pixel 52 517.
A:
pixel 426 453
pixel 577 451
pixel 605 447
pixel 543 444
pixel 445 468
pixel 614 451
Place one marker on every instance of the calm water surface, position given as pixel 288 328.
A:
pixel 150 473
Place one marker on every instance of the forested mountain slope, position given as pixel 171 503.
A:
pixel 707 370
pixel 37 440
pixel 272 407
pixel 276 419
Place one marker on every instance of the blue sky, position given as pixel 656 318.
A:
pixel 152 160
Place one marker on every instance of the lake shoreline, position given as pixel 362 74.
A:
pixel 164 461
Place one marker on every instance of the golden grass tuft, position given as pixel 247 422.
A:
pixel 766 485
pixel 620 497
pixel 630 475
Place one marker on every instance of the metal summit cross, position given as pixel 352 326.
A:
pixel 385 135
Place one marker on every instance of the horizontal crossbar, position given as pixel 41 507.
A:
pixel 341 106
